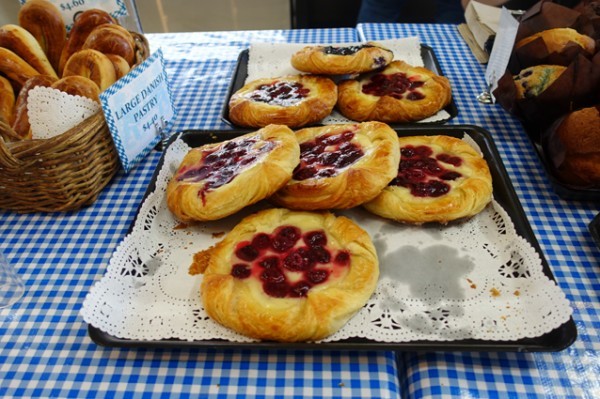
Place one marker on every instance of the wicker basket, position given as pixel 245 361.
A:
pixel 62 173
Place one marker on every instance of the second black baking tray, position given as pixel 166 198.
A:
pixel 240 74
pixel 504 193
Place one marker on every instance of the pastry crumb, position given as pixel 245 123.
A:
pixel 218 234
pixel 495 292
pixel 181 226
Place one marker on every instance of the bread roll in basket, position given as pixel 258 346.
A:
pixel 61 173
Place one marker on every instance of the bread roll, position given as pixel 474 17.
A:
pixel 84 23
pixel 7 101
pixel 112 39
pixel 22 43
pixel 15 68
pixel 575 147
pixel 78 86
pixel 91 64
pixel 122 67
pixel 21 122
pixel 45 22
pixel 557 39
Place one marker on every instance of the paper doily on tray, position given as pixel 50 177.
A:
pixel 474 279
pixel 269 60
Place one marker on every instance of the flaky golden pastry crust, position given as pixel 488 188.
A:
pixel 294 101
pixel 419 93
pixel 351 185
pixel 341 60
pixel 241 302
pixel 217 180
pixel 464 174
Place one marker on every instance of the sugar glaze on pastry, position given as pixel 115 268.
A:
pixel 342 60
pixel 288 276
pixel 294 101
pixel 341 166
pixel 440 179
pixel 399 93
pixel 217 180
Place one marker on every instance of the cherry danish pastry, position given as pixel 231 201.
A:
pixel 288 276
pixel 399 93
pixel 295 101
pixel 342 60
pixel 217 180
pixel 341 166
pixel 440 179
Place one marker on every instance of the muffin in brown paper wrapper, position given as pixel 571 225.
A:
pixel 591 10
pixel 577 87
pixel 571 149
pixel 543 16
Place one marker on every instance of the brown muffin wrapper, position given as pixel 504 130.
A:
pixel 577 87
pixel 543 16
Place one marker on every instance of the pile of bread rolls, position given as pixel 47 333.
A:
pixel 39 52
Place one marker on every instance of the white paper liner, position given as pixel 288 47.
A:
pixel 52 112
pixel 476 279
pixel 267 60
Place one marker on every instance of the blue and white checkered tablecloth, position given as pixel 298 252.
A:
pixel 46 351
pixel 559 225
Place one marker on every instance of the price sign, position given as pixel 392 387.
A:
pixel 139 110
pixel 69 8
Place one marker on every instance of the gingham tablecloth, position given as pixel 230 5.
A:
pixel 46 351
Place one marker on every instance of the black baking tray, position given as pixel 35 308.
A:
pixel 240 74
pixel 504 193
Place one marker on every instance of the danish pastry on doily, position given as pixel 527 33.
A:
pixel 288 276
pixel 341 166
pixel 399 93
pixel 217 180
pixel 341 59
pixel 294 100
pixel 440 179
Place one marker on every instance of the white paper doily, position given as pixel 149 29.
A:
pixel 52 112
pixel 267 60
pixel 476 279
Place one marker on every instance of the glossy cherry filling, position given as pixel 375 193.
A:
pixel 423 173
pixel 348 50
pixel 326 156
pixel 222 164
pixel 288 262
pixel 280 93
pixel 397 85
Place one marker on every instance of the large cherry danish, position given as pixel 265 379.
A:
pixel 294 101
pixel 400 93
pixel 342 59
pixel 217 180
pixel 288 276
pixel 440 179
pixel 341 166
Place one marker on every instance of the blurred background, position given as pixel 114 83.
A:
pixel 217 15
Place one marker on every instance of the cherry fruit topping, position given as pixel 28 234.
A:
pixel 286 260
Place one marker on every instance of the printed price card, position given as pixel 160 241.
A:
pixel 69 8
pixel 139 110
pixel 503 44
